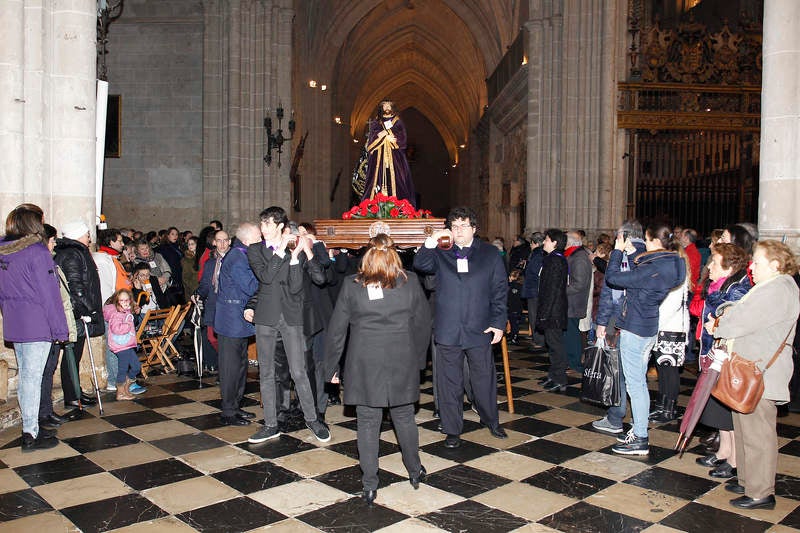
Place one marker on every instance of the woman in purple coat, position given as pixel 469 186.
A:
pixel 387 168
pixel 33 316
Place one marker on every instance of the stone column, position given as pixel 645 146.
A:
pixel 779 181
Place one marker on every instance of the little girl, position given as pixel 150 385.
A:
pixel 122 340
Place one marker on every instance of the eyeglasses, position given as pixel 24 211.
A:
pixel 222 240
pixel 460 226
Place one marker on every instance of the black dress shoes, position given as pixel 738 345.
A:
pixel 552 386
pixel 234 421
pixel 52 420
pixel 247 415
pixel 709 461
pixel 746 502
pixel 41 442
pixel 369 496
pixel 414 480
pixel 87 400
pixel 734 488
pixel 711 442
pixel 723 471
pixel 544 379
pixel 452 441
pixel 498 432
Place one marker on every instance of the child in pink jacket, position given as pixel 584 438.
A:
pixel 122 340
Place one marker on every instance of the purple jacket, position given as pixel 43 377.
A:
pixel 30 300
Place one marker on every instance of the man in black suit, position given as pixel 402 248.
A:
pixel 470 316
pixel 280 310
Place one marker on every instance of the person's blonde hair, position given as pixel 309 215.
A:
pixel 777 251
pixel 381 264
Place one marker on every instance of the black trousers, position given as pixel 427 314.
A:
pixel 369 429
pixel 450 382
pixel 232 372
pixel 67 384
pixel 669 381
pixel 554 339
pixel 46 399
pixel 283 382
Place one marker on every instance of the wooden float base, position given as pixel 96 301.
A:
pixel 354 233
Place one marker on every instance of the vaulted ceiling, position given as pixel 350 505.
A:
pixel 433 55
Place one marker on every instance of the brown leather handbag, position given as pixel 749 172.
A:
pixel 741 382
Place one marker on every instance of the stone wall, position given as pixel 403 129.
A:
pixel 155 63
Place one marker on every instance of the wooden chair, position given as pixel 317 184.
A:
pixel 150 331
pixel 166 349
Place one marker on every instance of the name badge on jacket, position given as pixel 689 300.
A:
pixel 462 266
pixel 374 293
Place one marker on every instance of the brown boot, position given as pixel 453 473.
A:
pixel 123 391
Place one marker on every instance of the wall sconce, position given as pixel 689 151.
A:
pixel 338 120
pixel 275 141
pixel 312 83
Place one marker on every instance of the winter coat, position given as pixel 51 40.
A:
pixel 466 303
pixel 551 309
pixel 83 281
pixel 733 289
pixel 171 253
pixel 387 344
pixel 607 307
pixel 237 285
pixel 757 325
pixel 530 288
pixel 29 295
pixel 514 300
pixel 579 282
pixel 121 330
pixel 652 276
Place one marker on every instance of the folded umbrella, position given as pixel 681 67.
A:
pixel 197 314
pixel 72 368
pixel 697 403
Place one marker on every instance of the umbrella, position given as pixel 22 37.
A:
pixel 72 368
pixel 702 390
pixel 197 313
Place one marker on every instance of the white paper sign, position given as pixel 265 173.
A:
pixel 374 292
pixel 462 265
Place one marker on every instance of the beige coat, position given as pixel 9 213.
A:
pixel 758 323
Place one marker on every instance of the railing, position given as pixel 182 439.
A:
pixel 508 66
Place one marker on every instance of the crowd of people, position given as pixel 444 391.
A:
pixel 370 320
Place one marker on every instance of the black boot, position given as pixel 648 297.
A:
pixel 711 443
pixel 657 408
pixel 667 413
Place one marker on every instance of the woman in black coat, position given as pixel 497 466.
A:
pixel 551 309
pixel 389 321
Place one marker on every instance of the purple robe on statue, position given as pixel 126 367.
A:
pixel 387 168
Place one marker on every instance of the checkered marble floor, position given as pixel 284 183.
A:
pixel 163 463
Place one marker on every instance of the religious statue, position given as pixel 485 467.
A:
pixel 387 168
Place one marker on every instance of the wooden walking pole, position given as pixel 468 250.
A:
pixel 507 371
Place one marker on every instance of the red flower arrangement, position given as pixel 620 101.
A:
pixel 383 206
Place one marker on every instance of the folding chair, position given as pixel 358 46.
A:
pixel 166 350
pixel 150 331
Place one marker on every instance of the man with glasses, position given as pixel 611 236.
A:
pixel 471 292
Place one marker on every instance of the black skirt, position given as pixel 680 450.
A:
pixel 717 416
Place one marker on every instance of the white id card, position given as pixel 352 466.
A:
pixel 461 265
pixel 374 293
pixel 153 264
pixel 387 124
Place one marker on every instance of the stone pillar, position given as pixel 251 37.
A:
pixel 779 181
pixel 247 71
pixel 47 111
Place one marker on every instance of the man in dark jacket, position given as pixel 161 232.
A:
pixel 578 287
pixel 609 311
pixel 551 309
pixel 471 294
pixel 235 286
pixel 530 288
pixel 73 256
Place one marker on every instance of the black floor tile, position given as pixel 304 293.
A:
pixel 349 479
pixel 433 425
pixel 792 519
pixel 272 449
pixel 469 516
pixel 656 454
pixel 255 477
pixel 204 422
pixel 193 442
pixel 671 482
pixel 3 465
pixel 101 441
pixel 788 431
pixel 698 518
pixel 525 407
pixel 165 400
pixel 57 470
pixel 787 486
pixel 466 452
pixel 792 448
pixel 585 407
pixel 548 450
pixel 149 475
pixel 187 385
pixel 239 514
pixel 350 448
pixel 465 481
pixel 136 418
pixel 20 504
pixel 113 513
pixel 585 518
pixel 534 426
pixel 246 402
pixel 16 443
pixel 569 482
pixel 352 515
